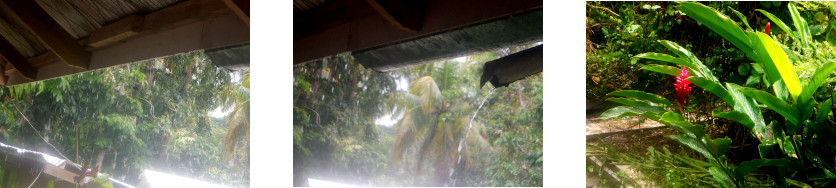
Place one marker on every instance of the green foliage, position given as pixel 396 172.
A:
pixel 336 104
pixel 794 138
pixel 147 115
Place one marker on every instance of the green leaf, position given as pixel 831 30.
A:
pixel 818 78
pixel 742 18
pixel 690 60
pixel 428 93
pixel 780 24
pixel 824 110
pixel 721 146
pixel 631 102
pixel 713 87
pixel 652 112
pixel 800 24
pixel 750 166
pixel 776 61
pixel 747 106
pixel 694 144
pixel 642 95
pixel 664 69
pixel 743 69
pixel 677 122
pixel 773 103
pixel 662 57
pixel 721 177
pixel 798 183
pixel 754 79
pixel 736 116
pixel 816 173
pixel 719 23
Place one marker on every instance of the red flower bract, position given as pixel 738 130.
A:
pixel 682 87
pixel 767 28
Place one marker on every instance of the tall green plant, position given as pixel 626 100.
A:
pixel 796 147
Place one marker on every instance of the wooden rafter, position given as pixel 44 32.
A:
pixel 115 32
pixel 49 32
pixel 404 14
pixel 131 26
pixel 182 13
pixel 241 8
pixel 16 59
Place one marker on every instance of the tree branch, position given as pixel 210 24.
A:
pixel 39 133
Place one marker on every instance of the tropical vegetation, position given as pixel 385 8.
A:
pixel 435 136
pixel 152 114
pixel 784 102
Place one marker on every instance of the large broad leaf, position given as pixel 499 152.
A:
pixel 750 166
pixel 713 87
pixel 719 23
pixel 776 61
pixel 632 102
pixel 676 121
pixel 642 95
pixel 747 106
pixel 652 112
pixel 720 146
pixel 824 110
pixel 720 176
pixel 695 144
pixel 662 57
pixel 736 116
pixel 691 61
pixel 773 103
pixel 780 24
pixel 742 18
pixel 664 69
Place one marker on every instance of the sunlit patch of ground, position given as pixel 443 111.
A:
pixel 596 126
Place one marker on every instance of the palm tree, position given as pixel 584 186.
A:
pixel 429 120
pixel 238 98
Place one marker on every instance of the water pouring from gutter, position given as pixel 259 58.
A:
pixel 467 134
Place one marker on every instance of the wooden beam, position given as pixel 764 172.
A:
pixel 188 26
pixel 132 26
pixel 115 32
pixel 59 173
pixel 241 8
pixel 333 14
pixel 404 14
pixel 10 54
pixel 182 13
pixel 49 32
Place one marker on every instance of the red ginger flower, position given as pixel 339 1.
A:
pixel 682 87
pixel 767 28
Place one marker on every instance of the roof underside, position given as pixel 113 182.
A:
pixel 388 34
pixel 43 39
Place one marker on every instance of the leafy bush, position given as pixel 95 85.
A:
pixel 795 146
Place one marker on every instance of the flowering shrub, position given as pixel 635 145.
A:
pixel 682 86
pixel 797 148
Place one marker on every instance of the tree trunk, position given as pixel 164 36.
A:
pixel 100 158
pixel 149 77
pixel 188 79
pixel 520 98
pixel 113 165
